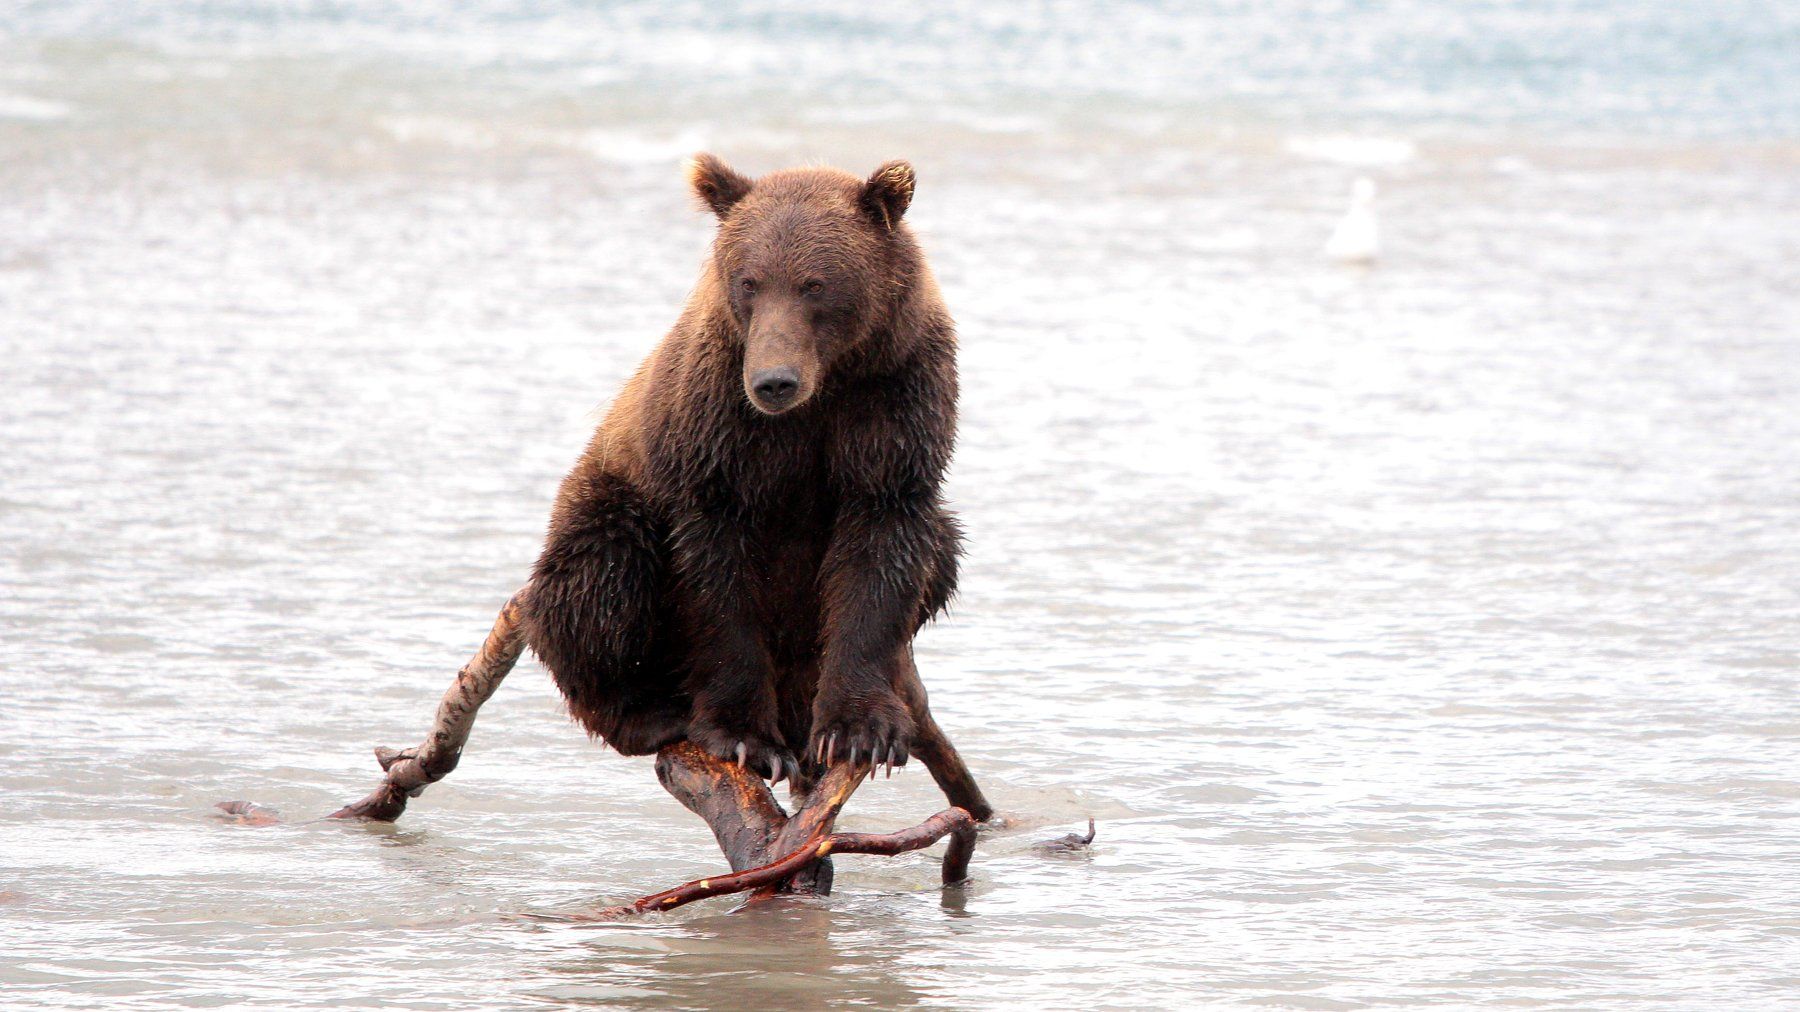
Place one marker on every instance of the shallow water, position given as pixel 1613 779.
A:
pixel 1417 634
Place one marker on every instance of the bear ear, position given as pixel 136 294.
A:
pixel 888 193
pixel 717 185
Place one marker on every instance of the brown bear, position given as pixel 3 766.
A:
pixel 745 550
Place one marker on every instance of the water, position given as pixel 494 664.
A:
pixel 1423 634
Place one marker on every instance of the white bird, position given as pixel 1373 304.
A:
pixel 1357 238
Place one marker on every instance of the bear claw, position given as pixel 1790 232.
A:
pixel 882 746
pixel 766 761
pixel 770 763
pixel 749 752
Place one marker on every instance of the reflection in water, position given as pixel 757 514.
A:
pixel 788 955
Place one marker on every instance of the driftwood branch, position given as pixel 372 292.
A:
pixel 749 824
pixel 952 822
pixel 769 851
pixel 411 770
pixel 772 853
pixel 820 804
pixel 735 803
pixel 946 766
pixel 932 747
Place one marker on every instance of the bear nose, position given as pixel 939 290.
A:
pixel 775 387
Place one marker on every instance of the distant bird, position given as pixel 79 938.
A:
pixel 1357 238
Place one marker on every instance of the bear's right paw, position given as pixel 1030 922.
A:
pixel 876 729
pixel 749 750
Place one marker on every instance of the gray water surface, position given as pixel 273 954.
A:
pixel 1423 634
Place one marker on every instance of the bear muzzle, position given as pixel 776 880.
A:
pixel 781 359
pixel 775 390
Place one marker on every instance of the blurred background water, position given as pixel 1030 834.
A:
pixel 1423 633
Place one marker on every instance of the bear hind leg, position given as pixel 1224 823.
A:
pixel 592 618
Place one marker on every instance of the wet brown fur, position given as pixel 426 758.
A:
pixel 717 572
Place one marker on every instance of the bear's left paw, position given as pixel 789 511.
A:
pixel 878 731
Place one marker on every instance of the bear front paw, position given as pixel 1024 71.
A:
pixel 878 731
pixel 757 753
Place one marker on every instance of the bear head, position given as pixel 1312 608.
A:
pixel 811 263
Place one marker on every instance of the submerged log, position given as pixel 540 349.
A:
pixel 247 813
pixel 1066 843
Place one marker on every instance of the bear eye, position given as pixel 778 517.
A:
pixel 748 285
pixel 812 288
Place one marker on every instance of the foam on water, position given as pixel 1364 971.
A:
pixel 25 107
pixel 1346 149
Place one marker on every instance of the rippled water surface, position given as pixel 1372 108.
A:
pixel 1421 634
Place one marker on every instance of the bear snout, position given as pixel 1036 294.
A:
pixel 774 390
